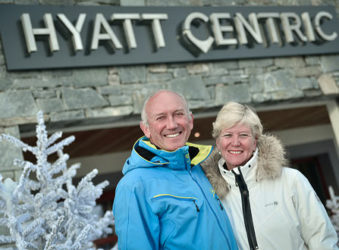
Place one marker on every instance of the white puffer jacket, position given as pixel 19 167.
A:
pixel 287 214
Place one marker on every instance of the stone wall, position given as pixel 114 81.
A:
pixel 80 95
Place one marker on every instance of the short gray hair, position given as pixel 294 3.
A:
pixel 233 113
pixel 144 117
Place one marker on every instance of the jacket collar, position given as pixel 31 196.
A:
pixel 247 170
pixel 270 160
pixel 145 155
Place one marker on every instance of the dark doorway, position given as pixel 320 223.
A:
pixel 312 169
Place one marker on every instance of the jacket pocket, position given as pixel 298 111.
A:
pixel 178 215
pixel 190 199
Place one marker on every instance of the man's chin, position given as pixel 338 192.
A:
pixel 174 146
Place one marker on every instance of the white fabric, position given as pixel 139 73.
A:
pixel 287 214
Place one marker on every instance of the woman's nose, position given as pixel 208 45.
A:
pixel 235 141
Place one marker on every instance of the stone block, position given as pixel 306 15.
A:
pixel 158 68
pixel 237 92
pixel 44 94
pixel 132 2
pixel 179 72
pixel 290 62
pixel 5 84
pixel 90 77
pixel 50 105
pixel 159 77
pixel 305 83
pixel 9 152
pixel 261 97
pixel 330 63
pixel 287 94
pixel 109 112
pixel 257 84
pixel 197 69
pixel 257 63
pixel 279 80
pixel 115 100
pixel 328 85
pixel 132 74
pixel 68 115
pixel 308 71
pixel 82 98
pixel 312 60
pixel 193 88
pixel 16 104
pixel 28 83
pixel 110 90
pixel 228 79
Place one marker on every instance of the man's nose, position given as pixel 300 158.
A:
pixel 171 123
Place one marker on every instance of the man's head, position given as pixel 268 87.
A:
pixel 166 120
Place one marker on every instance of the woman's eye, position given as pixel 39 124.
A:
pixel 227 135
pixel 244 135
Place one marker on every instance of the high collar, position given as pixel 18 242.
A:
pixel 270 160
pixel 248 170
pixel 146 155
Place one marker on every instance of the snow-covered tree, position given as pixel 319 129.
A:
pixel 44 210
pixel 333 205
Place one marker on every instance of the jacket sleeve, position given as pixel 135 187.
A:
pixel 316 227
pixel 136 226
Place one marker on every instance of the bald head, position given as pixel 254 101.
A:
pixel 144 116
pixel 166 120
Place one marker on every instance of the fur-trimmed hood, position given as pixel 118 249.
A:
pixel 271 159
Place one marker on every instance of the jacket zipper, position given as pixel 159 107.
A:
pixel 246 209
pixel 180 198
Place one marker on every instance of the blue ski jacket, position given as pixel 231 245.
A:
pixel 165 201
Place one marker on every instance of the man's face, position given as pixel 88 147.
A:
pixel 169 125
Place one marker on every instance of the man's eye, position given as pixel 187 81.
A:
pixel 159 118
pixel 179 114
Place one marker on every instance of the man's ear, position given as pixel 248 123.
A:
pixel 145 129
pixel 191 120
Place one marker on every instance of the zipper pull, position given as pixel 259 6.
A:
pixel 198 210
pixel 222 208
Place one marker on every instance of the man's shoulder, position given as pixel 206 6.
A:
pixel 139 175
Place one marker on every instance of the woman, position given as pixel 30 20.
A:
pixel 270 206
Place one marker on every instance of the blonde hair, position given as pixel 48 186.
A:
pixel 233 113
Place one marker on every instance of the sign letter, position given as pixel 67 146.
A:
pixel 128 28
pixel 156 27
pixel 203 45
pixel 218 29
pixel 317 22
pixel 29 32
pixel 288 27
pixel 76 38
pixel 101 22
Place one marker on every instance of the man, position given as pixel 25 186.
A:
pixel 164 200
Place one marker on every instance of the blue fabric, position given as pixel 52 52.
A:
pixel 165 203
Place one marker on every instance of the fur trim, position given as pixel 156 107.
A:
pixel 271 159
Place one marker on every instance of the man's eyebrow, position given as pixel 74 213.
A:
pixel 164 113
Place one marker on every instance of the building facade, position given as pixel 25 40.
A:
pixel 296 96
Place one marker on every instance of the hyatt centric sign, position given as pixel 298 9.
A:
pixel 50 37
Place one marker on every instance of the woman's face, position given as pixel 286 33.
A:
pixel 236 145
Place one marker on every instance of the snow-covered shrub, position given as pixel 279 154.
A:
pixel 44 210
pixel 333 205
